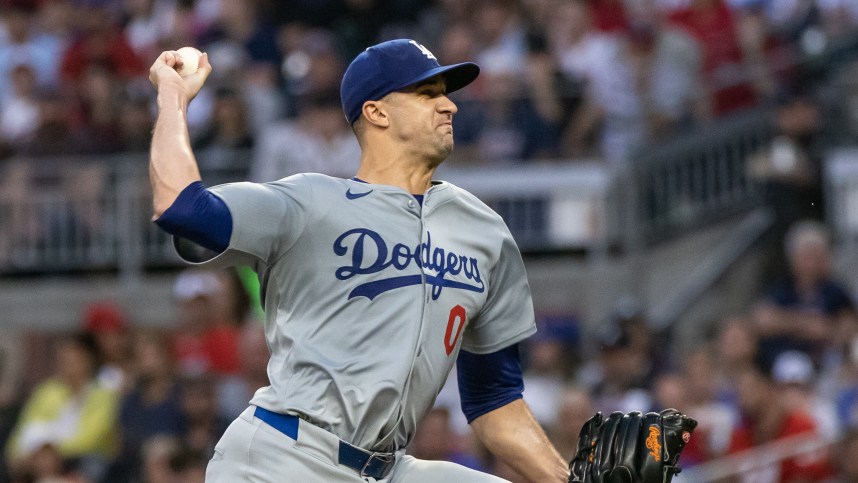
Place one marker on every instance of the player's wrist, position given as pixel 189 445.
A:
pixel 172 94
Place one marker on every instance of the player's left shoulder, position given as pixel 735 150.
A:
pixel 321 184
pixel 463 199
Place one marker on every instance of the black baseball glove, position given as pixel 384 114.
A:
pixel 631 448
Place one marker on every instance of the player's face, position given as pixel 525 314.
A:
pixel 422 115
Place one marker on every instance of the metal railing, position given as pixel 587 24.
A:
pixel 742 466
pixel 695 178
pixel 547 205
pixel 54 218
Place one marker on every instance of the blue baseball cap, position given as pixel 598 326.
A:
pixel 394 65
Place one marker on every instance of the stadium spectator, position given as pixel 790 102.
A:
pixel 543 99
pixel 70 411
pixel 106 323
pixel 149 25
pixel 518 117
pixel 808 310
pixel 510 128
pixel 97 94
pixel 838 17
pixel 225 141
pixel 26 44
pixel 46 464
pixel 701 385
pixel 574 41
pixel 204 425
pixel 617 377
pixel 458 45
pixel 239 25
pixel 135 122
pixel 19 113
pixel 765 419
pixel 167 460
pixel 11 399
pixel 506 124
pixel 435 440
pixel 363 22
pixel 789 168
pixel 609 15
pixel 736 348
pixel 501 38
pixel 53 135
pixel 797 377
pixel 644 88
pixel 317 141
pixel 156 454
pixel 769 58
pixel 577 46
pixel 537 14
pixel 151 408
pixel 725 73
pixel 548 361
pixel 575 407
pixel 234 394
pixel 189 465
pixel 312 67
pixel 206 335
pixel 843 384
pixel 99 43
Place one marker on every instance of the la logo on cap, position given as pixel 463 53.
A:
pixel 423 49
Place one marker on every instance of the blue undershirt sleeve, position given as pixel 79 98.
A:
pixel 199 216
pixel 488 381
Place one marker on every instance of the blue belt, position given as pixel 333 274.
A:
pixel 367 463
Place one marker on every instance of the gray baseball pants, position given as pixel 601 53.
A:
pixel 252 451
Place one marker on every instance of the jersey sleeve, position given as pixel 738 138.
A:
pixel 507 316
pixel 267 219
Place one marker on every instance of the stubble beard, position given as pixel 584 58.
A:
pixel 443 151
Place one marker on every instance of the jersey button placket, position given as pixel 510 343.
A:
pixel 425 240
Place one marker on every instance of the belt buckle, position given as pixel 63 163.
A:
pixel 385 458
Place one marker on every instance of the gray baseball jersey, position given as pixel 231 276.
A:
pixel 369 296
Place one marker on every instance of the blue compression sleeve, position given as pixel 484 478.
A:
pixel 488 381
pixel 199 216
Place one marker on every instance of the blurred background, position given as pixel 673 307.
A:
pixel 681 176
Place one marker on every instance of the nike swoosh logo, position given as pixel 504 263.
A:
pixel 354 196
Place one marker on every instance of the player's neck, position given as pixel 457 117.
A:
pixel 415 178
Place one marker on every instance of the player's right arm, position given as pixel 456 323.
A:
pixel 256 221
pixel 182 205
pixel 172 166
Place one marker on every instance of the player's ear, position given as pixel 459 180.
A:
pixel 375 113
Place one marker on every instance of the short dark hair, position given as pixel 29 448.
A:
pixel 86 342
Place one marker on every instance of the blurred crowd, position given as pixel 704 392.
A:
pixel 127 403
pixel 560 79
pixel 122 403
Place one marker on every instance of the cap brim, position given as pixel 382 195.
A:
pixel 456 75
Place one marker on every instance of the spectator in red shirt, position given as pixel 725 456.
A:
pixel 713 24
pixel 609 15
pixel 100 43
pixel 766 419
pixel 207 338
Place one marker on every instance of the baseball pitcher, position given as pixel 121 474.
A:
pixel 373 287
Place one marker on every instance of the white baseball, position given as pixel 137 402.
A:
pixel 190 61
